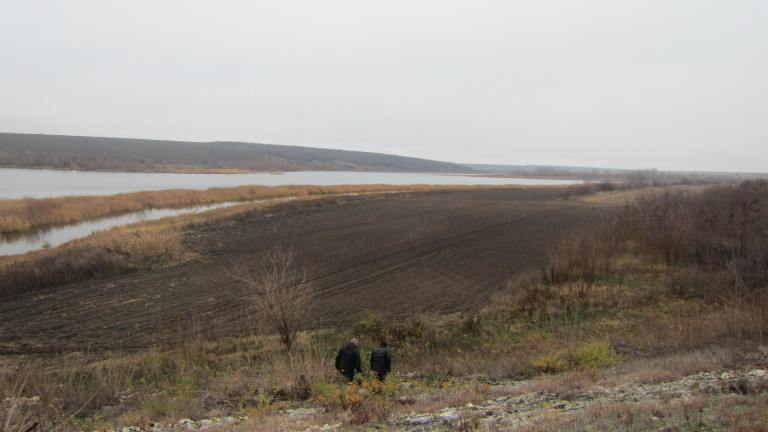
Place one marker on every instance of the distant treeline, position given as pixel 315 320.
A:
pixel 628 177
pixel 122 154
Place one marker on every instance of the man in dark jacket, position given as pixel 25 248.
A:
pixel 348 360
pixel 380 361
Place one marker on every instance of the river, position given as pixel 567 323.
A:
pixel 20 183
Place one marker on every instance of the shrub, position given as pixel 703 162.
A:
pixel 594 354
pixel 365 400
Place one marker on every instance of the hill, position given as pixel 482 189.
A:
pixel 123 154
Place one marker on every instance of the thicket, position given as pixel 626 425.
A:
pixel 711 246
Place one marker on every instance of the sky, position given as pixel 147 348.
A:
pixel 666 84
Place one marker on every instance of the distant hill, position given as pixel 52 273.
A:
pixel 123 154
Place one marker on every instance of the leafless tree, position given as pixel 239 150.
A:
pixel 280 290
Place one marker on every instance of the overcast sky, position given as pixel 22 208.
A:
pixel 666 84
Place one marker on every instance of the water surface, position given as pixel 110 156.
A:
pixel 20 183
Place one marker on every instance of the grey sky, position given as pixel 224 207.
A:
pixel 672 84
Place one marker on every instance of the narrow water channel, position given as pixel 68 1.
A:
pixel 18 243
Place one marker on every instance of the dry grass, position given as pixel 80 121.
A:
pixel 117 251
pixel 620 197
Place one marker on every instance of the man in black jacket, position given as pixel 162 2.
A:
pixel 348 360
pixel 380 361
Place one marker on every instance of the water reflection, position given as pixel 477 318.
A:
pixel 18 243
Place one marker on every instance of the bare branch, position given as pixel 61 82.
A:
pixel 279 289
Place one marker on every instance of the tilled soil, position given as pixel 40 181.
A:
pixel 396 254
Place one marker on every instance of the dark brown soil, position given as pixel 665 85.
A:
pixel 435 252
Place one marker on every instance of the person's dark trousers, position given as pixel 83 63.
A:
pixel 381 375
pixel 349 377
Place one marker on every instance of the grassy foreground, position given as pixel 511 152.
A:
pixel 675 285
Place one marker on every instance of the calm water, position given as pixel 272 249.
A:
pixel 20 183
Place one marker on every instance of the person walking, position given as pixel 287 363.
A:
pixel 381 361
pixel 348 360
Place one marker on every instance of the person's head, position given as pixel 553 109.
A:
pixel 383 344
pixel 353 341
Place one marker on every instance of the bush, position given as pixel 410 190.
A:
pixel 594 354
pixel 365 400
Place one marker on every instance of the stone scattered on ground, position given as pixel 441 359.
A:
pixel 506 411
pixel 509 411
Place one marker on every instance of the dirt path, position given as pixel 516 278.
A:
pixel 428 252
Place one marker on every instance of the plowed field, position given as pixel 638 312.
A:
pixel 432 252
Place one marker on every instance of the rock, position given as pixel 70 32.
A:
pixel 187 424
pixel 448 414
pixel 420 419
pixel 206 424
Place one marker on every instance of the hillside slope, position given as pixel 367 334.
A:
pixel 96 153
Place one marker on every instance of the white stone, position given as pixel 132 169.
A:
pixel 448 414
pixel 420 419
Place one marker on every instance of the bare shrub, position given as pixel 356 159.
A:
pixel 725 228
pixel 659 224
pixel 747 318
pixel 53 392
pixel 279 289
pixel 580 189
pixel 582 255
pixel 719 236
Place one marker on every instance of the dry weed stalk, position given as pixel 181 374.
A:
pixel 280 290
